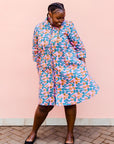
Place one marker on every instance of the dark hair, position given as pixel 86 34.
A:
pixel 55 6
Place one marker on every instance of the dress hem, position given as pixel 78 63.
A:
pixel 87 98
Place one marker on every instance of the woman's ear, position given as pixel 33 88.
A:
pixel 50 14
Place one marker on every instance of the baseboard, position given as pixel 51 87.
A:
pixel 58 121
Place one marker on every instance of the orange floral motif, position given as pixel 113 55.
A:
pixel 63 81
pixel 77 80
pixel 79 95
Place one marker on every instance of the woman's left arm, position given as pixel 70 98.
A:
pixel 76 42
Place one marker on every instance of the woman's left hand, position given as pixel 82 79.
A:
pixel 83 59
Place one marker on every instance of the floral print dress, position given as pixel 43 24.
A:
pixel 63 77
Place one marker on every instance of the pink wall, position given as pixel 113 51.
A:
pixel 94 21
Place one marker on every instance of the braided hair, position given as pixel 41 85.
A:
pixel 52 7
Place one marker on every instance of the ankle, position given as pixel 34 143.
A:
pixel 70 134
pixel 33 133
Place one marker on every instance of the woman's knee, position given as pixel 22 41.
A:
pixel 43 108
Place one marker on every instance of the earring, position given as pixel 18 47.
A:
pixel 51 20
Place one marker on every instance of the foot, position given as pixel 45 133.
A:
pixel 69 139
pixel 31 137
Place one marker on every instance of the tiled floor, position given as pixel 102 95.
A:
pixel 57 134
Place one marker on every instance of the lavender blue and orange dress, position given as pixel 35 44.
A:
pixel 63 77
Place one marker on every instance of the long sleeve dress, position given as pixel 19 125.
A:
pixel 64 78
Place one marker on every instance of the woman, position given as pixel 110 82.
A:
pixel 64 79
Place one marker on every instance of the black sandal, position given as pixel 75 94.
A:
pixel 70 143
pixel 30 142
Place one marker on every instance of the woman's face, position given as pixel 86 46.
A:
pixel 58 17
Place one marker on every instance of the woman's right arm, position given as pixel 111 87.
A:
pixel 35 45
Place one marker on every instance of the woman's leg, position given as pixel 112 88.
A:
pixel 39 117
pixel 70 113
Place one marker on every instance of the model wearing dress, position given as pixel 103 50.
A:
pixel 64 80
